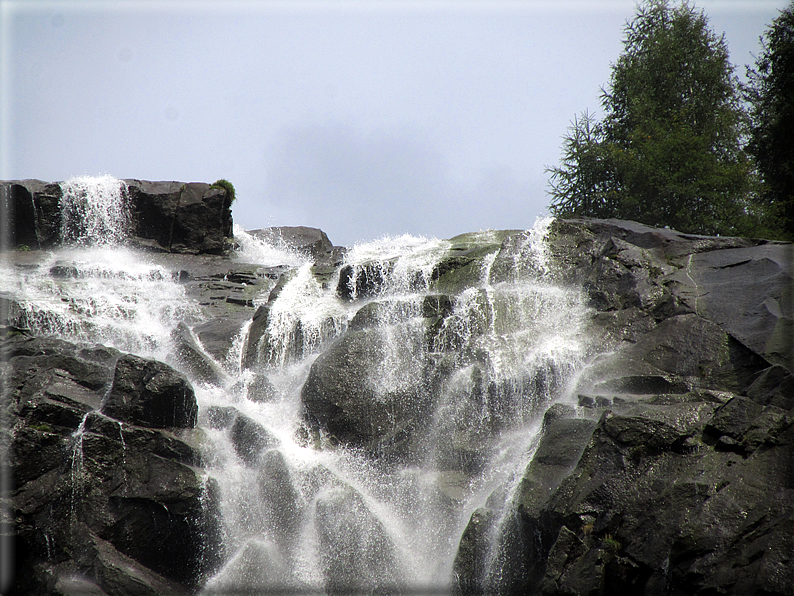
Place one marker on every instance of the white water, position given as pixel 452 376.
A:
pixel 309 515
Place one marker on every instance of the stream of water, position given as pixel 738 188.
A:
pixel 309 513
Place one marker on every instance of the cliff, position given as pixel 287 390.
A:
pixel 658 460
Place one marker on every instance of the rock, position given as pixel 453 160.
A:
pixel 191 218
pixel 279 498
pixel 356 550
pixel 773 386
pixel 345 396
pixel 150 393
pixel 32 213
pixel 100 505
pixel 312 242
pixel 221 417
pixel 694 435
pixel 260 389
pixel 363 281
pixel 250 438
pixel 747 292
pixel 257 343
pixel 192 357
pixel 258 566
pixel 471 562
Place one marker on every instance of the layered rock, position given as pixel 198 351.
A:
pixel 109 493
pixel 677 479
pixel 174 217
pixel 667 470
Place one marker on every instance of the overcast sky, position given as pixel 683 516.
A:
pixel 363 118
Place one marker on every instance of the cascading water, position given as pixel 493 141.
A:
pixel 470 364
pixel 334 518
pixel 94 211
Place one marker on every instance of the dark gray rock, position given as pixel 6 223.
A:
pixel 363 281
pixel 344 394
pixel 356 550
pixel 686 474
pixel 193 358
pixel 312 242
pixel 99 505
pixel 471 561
pixel 32 216
pixel 175 217
pixel 150 393
pixel 279 498
pixel 250 438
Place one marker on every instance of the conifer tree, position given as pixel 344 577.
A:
pixel 668 150
pixel 771 99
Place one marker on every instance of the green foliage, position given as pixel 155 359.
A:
pixel 43 427
pixel 770 95
pixel 611 544
pixel 227 186
pixel 668 150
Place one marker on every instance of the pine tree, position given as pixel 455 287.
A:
pixel 771 97
pixel 668 151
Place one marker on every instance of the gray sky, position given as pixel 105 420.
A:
pixel 363 118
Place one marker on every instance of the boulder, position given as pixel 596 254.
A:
pixel 250 438
pixel 194 359
pixel 356 550
pixel 311 242
pixel 150 393
pixel 344 394
pixel 32 216
pixel 191 218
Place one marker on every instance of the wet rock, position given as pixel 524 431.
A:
pixel 346 396
pixel 279 498
pixel 312 242
pixel 734 418
pixel 363 281
pixel 221 417
pixel 33 216
pixel 257 344
pixel 260 389
pixel 356 550
pixel 150 393
pixel 773 386
pixel 192 357
pixel 173 217
pixel 100 506
pixel 190 218
pixel 470 566
pixel 694 435
pixel 366 316
pixel 259 567
pixel 250 438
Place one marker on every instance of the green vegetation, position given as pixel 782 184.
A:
pixel 227 186
pixel 612 544
pixel 770 96
pixel 43 427
pixel 670 150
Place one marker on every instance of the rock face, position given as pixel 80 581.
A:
pixel 675 475
pixel 175 217
pixel 666 469
pixel 109 497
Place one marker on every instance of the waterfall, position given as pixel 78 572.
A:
pixel 310 515
pixel 94 211
pixel 458 373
